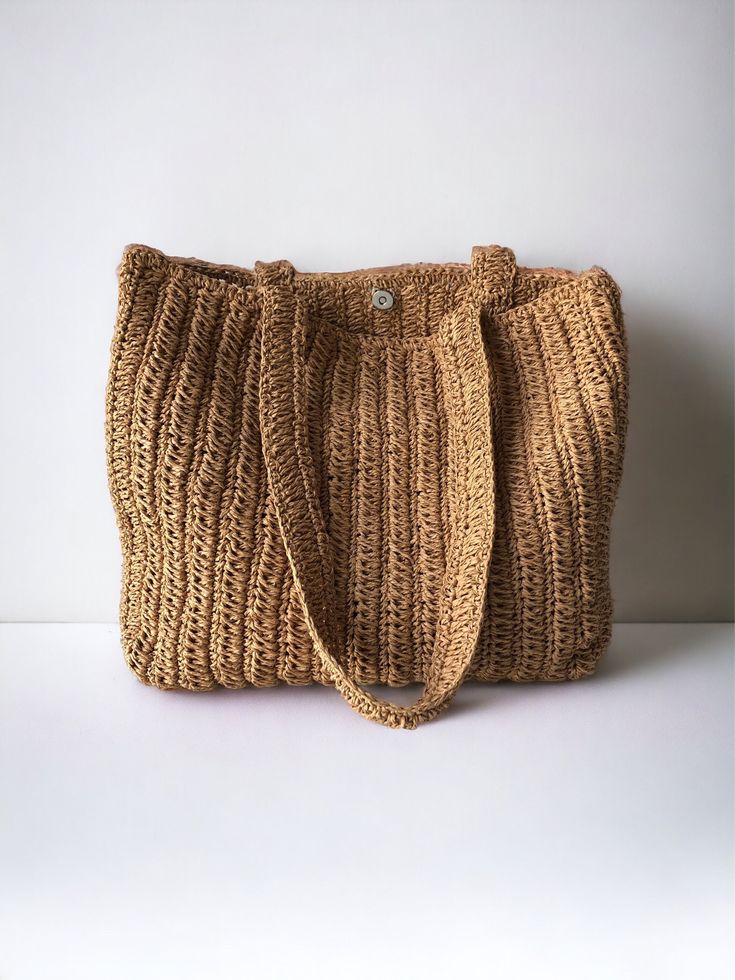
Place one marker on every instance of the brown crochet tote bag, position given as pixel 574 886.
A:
pixel 395 474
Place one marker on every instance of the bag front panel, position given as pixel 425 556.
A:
pixel 208 597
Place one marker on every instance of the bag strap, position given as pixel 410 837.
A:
pixel 292 477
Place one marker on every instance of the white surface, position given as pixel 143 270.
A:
pixel 581 830
pixel 340 134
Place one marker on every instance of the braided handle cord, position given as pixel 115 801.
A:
pixel 292 477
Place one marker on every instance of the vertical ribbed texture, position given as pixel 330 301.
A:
pixel 237 527
pixel 208 594
pixel 367 526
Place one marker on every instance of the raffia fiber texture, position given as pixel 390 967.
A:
pixel 310 489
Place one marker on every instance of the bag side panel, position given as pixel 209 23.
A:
pixel 204 575
pixel 559 398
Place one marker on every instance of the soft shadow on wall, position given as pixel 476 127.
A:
pixel 672 534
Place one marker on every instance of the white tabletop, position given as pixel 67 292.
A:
pixel 579 830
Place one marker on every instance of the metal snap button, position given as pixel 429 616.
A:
pixel 382 299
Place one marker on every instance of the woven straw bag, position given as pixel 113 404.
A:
pixel 395 474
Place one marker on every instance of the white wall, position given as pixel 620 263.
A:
pixel 342 134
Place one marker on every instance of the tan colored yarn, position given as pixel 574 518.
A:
pixel 310 489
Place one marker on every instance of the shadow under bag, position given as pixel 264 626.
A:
pixel 394 474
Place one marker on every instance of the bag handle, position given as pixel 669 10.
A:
pixel 292 476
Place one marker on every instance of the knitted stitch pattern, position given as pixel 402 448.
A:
pixel 310 489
